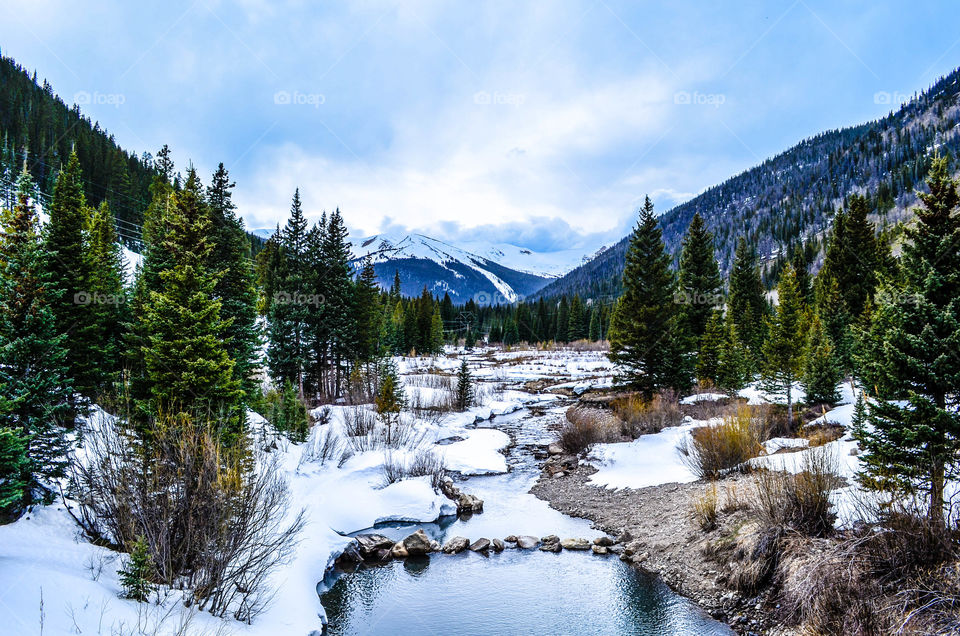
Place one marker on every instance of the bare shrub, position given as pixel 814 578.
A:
pixel 639 416
pixel 368 431
pixel 586 427
pixel 715 449
pixel 424 463
pixel 800 502
pixel 324 445
pixel 732 499
pixel 358 421
pixel 214 518
pixel 704 509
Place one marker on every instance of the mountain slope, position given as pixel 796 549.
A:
pixel 794 195
pixel 442 268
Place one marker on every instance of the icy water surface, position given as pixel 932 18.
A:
pixel 516 591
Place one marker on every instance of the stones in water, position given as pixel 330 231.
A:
pixel 497 545
pixel 469 503
pixel 480 545
pixel 599 549
pixel 398 551
pixel 511 538
pixel 456 544
pixel 369 545
pixel 417 543
pixel 526 542
pixel 551 543
pixel 575 544
pixel 603 541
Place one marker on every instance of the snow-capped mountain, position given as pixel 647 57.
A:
pixel 421 261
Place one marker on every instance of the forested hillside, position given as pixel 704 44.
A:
pixel 792 197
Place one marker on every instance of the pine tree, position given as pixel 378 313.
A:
pixel 14 471
pixel 510 333
pixel 746 303
pixel 711 346
pixel 368 315
pixel 68 277
pixel 107 296
pixel 911 354
pixel 698 280
pixel 390 397
pixel 465 387
pixel 337 291
pixel 230 260
pixel 595 331
pixel 645 335
pixel 576 321
pixel 832 312
pixel 821 373
pixel 35 388
pixel 436 332
pixel 187 364
pixel 734 365
pixel 783 347
pixel 289 414
pixel 136 574
pixel 852 255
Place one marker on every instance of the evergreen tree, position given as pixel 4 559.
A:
pixel 563 321
pixel 107 298
pixel 395 293
pixel 645 335
pixel 510 333
pixel 390 397
pixel 711 346
pixel 576 321
pixel 230 260
pixel 852 255
pixel 912 354
pixel 734 365
pixel 136 574
pixel 783 347
pixel 186 359
pixel 595 330
pixel 67 275
pixel 289 414
pixel 698 280
pixel 368 315
pixel 832 312
pixel 35 388
pixel 337 293
pixel 436 332
pixel 465 387
pixel 821 373
pixel 747 304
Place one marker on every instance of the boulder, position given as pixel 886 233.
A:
pixel 603 541
pixel 381 555
pixel 599 549
pixel 616 548
pixel 551 543
pixel 434 546
pixel 480 545
pixel 456 544
pixel 555 449
pixel 399 551
pixel 526 542
pixel 497 545
pixel 449 489
pixel 469 503
pixel 369 544
pixel 575 544
pixel 349 557
pixel 625 537
pixel 511 538
pixel 417 543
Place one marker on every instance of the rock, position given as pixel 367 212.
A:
pixel 469 503
pixel 625 537
pixel 575 544
pixel 449 489
pixel 369 544
pixel 399 551
pixel 603 541
pixel 417 543
pixel 349 557
pixel 559 474
pixel 555 449
pixel 480 545
pixel 511 538
pixel 551 543
pixel 497 545
pixel 434 546
pixel 640 558
pixel 381 555
pixel 456 544
pixel 600 549
pixel 526 542
pixel 615 549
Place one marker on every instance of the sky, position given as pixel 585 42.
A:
pixel 541 123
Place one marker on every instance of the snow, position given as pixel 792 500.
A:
pixel 756 395
pixel 649 460
pixel 131 263
pixel 479 454
pixel 696 398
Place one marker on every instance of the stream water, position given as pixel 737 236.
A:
pixel 513 592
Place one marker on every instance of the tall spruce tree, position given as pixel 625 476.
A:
pixel 821 371
pixel 35 386
pixel 645 335
pixel 699 283
pixel 576 321
pixel 338 299
pixel 911 354
pixel 853 256
pixel 230 260
pixel 107 298
pixel 185 354
pixel 783 347
pixel 734 364
pixel 63 247
pixel 711 346
pixel 746 303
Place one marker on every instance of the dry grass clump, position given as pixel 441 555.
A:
pixel 704 509
pixel 715 449
pixel 800 502
pixel 585 427
pixel 639 416
pixel 423 463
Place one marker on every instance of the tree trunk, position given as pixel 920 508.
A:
pixel 935 513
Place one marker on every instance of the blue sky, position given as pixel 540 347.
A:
pixel 537 123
